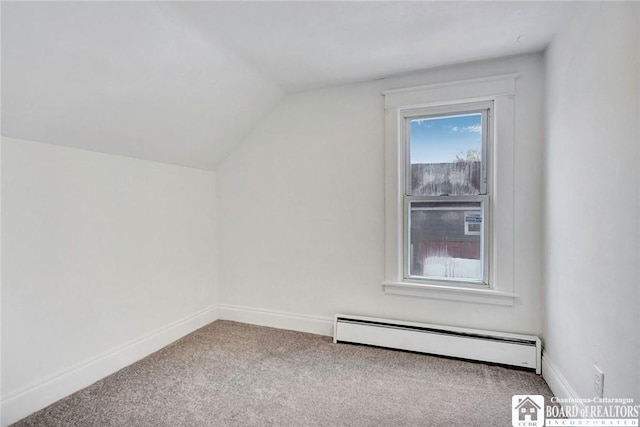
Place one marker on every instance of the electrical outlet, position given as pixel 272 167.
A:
pixel 598 382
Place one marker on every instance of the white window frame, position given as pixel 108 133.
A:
pixel 501 91
pixel 486 109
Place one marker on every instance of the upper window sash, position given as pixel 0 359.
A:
pixel 439 112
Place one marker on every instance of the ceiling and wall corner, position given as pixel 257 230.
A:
pixel 134 79
pixel 185 82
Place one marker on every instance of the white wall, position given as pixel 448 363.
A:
pixel 591 203
pixel 301 212
pixel 105 259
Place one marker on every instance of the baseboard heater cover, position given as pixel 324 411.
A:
pixel 473 344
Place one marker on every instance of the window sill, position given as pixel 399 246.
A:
pixel 451 293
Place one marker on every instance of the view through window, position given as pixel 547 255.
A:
pixel 446 196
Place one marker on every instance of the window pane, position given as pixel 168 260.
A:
pixel 446 240
pixel 445 155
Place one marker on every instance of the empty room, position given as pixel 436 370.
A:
pixel 320 213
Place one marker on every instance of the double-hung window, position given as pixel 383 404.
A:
pixel 449 190
pixel 446 193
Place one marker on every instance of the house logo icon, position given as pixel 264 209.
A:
pixel 527 411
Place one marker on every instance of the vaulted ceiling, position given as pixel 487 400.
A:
pixel 184 82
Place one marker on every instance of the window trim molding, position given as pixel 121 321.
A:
pixel 501 90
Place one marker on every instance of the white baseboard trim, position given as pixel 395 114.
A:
pixel 21 403
pixel 558 383
pixel 24 402
pixel 277 319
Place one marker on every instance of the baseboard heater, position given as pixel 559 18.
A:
pixel 486 346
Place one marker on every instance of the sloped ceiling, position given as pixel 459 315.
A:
pixel 184 82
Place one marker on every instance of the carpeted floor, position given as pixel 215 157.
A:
pixel 233 374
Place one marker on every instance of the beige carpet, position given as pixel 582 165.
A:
pixel 232 374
